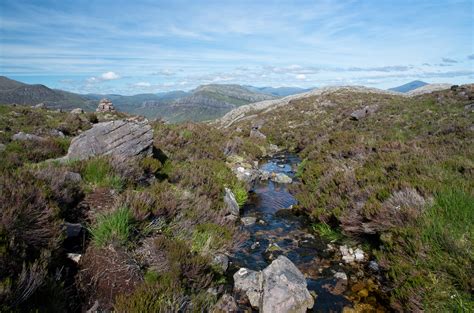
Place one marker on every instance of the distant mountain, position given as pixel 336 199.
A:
pixel 12 91
pixel 409 86
pixel 206 102
pixel 279 91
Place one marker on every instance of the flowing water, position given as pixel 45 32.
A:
pixel 278 231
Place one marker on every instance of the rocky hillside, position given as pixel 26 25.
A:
pixel 392 171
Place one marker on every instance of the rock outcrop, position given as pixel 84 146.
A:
pixel 364 112
pixel 105 105
pixel 122 138
pixel 280 287
pixel 77 111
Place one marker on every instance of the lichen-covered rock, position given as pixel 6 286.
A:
pixel 284 288
pixel 280 287
pixel 123 138
pixel 77 111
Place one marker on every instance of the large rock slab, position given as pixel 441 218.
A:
pixel 280 287
pixel 123 138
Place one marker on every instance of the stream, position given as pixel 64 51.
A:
pixel 277 231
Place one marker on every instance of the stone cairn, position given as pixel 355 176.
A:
pixel 105 105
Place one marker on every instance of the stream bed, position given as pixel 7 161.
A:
pixel 277 231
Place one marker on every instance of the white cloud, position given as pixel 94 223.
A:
pixel 109 76
pixel 143 84
pixel 301 76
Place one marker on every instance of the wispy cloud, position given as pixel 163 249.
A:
pixel 180 45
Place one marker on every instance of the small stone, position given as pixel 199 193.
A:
pixel 255 245
pixel 21 136
pixel 363 293
pixel 2 147
pixel 76 257
pixel 248 220
pixel 225 304
pixel 359 255
pixel 340 275
pixel 374 266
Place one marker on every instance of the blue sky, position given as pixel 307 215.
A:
pixel 149 46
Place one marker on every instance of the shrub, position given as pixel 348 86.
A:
pixel 106 273
pixel 327 232
pixel 100 173
pixel 151 165
pixel 30 233
pixel 112 227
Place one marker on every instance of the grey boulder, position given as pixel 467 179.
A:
pixel 21 136
pixel 231 203
pixel 364 112
pixel 122 138
pixel 280 287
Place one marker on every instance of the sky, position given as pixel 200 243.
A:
pixel 131 47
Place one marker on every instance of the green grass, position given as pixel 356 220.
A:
pixel 327 232
pixel 112 227
pixel 99 173
pixel 208 237
pixel 433 259
pixel 240 193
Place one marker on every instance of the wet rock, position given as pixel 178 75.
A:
pixel 123 138
pixel 222 261
pixel 374 266
pixel 281 178
pixel 248 220
pixel 272 252
pixel 225 304
pixel 255 245
pixel 77 111
pixel 73 230
pixel 231 204
pixel 364 112
pixel 245 174
pixel 105 105
pixel 21 136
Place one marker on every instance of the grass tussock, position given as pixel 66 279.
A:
pixel 100 173
pixel 112 227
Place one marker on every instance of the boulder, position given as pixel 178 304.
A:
pixel 280 287
pixel 362 113
pixel 122 138
pixel 231 203
pixel 21 136
pixel 77 111
pixel 56 133
pixel 40 106
pixel 105 105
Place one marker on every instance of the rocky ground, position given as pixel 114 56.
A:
pixel 104 211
